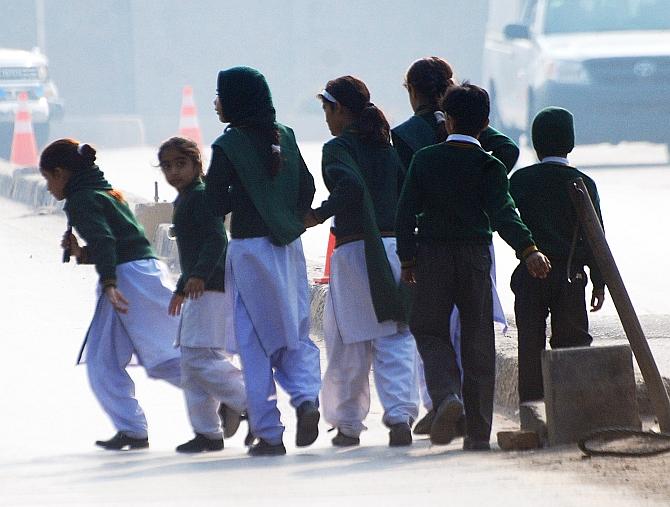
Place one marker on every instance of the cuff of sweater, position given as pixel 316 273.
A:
pixel 108 282
pixel 83 256
pixel 528 251
pixel 408 263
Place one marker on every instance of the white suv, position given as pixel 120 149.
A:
pixel 607 61
pixel 26 71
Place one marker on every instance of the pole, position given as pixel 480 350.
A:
pixel 40 28
pixel 631 325
pixel 155 191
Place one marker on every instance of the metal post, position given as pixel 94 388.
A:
pixel 603 255
pixel 155 191
pixel 40 28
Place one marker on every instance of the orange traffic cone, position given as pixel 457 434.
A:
pixel 188 117
pixel 326 270
pixel 24 147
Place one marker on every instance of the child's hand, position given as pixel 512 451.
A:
pixel 538 265
pixel 70 242
pixel 194 287
pixel 407 275
pixel 174 308
pixel 597 300
pixel 117 299
pixel 311 220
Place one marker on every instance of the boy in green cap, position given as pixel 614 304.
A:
pixel 541 195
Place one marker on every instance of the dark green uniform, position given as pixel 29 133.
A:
pixel 459 194
pixel 201 239
pixel 112 234
pixel 541 195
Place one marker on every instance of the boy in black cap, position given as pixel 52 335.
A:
pixel 455 194
pixel 541 195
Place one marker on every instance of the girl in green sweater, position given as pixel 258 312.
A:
pixel 209 377
pixel 133 292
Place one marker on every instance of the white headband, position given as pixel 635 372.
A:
pixel 79 148
pixel 440 117
pixel 328 96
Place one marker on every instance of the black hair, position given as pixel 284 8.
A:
pixel 431 77
pixel 184 146
pixel 68 154
pixel 352 93
pixel 469 107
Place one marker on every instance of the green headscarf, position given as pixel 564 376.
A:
pixel 553 131
pixel 245 97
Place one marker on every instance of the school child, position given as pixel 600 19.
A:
pixel 133 292
pixel 258 174
pixel 427 81
pixel 363 315
pixel 208 377
pixel 541 195
pixel 454 195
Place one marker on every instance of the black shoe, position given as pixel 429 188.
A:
pixel 249 439
pixel 342 440
pixel 400 435
pixel 230 420
pixel 470 444
pixel 445 424
pixel 121 441
pixel 263 448
pixel 308 424
pixel 201 444
pixel 423 426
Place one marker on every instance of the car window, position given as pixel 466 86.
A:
pixel 569 16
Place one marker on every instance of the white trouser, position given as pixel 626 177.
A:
pixel 297 371
pixel 346 388
pixel 210 378
pixel 145 331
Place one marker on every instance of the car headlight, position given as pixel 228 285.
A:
pixel 567 72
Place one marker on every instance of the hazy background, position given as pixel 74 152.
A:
pixel 120 65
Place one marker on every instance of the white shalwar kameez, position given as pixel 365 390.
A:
pixel 455 333
pixel 269 295
pixel 355 341
pixel 208 375
pixel 146 331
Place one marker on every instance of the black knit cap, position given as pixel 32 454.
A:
pixel 553 131
pixel 245 97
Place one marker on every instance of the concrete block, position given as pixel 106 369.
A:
pixel 151 215
pixel 518 440
pixel 588 388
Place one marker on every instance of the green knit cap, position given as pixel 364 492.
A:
pixel 553 131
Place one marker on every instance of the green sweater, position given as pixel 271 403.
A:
pixel 421 131
pixel 455 192
pixel 541 194
pixel 112 234
pixel 201 238
pixel 229 189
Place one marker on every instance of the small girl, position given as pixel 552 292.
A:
pixel 208 377
pixel 134 289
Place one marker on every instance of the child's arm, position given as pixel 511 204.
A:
pixel 501 146
pixel 409 206
pixel 217 182
pixel 500 207
pixel 345 189
pixel 213 241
